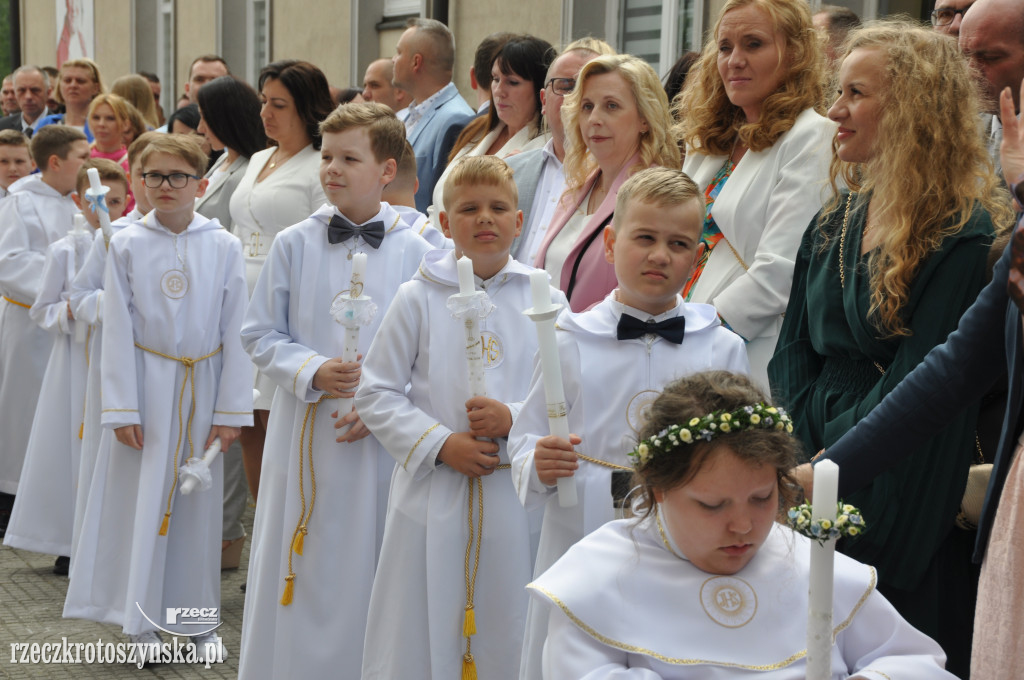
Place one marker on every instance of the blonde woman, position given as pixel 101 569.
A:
pixel 136 91
pixel 758 147
pixel 883 275
pixel 79 82
pixel 616 123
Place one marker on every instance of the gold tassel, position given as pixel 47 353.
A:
pixel 468 667
pixel 469 623
pixel 163 525
pixel 299 541
pixel 81 430
pixel 289 589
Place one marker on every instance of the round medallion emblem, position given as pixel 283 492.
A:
pixel 174 284
pixel 728 601
pixel 492 348
pixel 636 410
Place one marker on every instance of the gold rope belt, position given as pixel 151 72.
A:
pixel 476 487
pixel 189 363
pixel 15 302
pixel 598 461
pixel 301 529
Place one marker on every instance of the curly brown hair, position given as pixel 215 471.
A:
pixel 711 124
pixel 696 396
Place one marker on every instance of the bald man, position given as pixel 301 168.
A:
pixel 377 86
pixel 423 63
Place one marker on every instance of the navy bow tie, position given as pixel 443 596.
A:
pixel 340 230
pixel 631 327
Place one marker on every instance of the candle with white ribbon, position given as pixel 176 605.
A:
pixel 350 349
pixel 190 480
pixel 543 313
pixel 96 195
pixel 819 614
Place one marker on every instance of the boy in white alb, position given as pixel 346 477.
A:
pixel 87 306
pixel 15 159
pixel 616 358
pixel 175 378
pixel 305 607
pixel 447 598
pixel 38 213
pixel 43 515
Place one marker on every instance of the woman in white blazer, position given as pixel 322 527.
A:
pixel 759 148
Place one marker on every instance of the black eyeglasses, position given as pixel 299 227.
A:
pixel 177 180
pixel 945 15
pixel 562 86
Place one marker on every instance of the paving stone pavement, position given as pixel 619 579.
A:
pixel 32 599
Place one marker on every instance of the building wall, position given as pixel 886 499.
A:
pixel 195 30
pixel 114 57
pixel 316 31
pixel 39 33
pixel 471 21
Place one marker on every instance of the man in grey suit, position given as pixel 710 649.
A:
pixel 31 88
pixel 538 173
pixel 424 59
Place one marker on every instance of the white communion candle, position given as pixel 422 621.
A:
pixel 819 615
pixel 358 279
pixel 98 192
pixel 466 282
pixel 543 314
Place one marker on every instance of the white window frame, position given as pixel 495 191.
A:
pixel 671 44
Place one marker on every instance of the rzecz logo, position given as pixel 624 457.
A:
pixel 185 616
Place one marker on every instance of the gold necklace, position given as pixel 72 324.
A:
pixel 842 242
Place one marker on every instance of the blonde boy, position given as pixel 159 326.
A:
pixel 43 515
pixel 37 214
pixel 631 345
pixel 305 609
pixel 450 496
pixel 174 295
pixel 15 159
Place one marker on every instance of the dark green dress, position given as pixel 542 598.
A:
pixel 828 370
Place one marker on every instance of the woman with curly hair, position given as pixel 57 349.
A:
pixel 616 122
pixel 757 146
pixel 883 275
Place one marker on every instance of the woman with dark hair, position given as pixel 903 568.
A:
pixel 229 119
pixel 280 187
pixel 512 122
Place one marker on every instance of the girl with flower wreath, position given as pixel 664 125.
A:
pixel 883 275
pixel 704 583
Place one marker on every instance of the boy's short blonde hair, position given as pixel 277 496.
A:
pixel 387 133
pixel 53 140
pixel 405 175
pixel 663 187
pixel 136 148
pixel 109 170
pixel 13 138
pixel 474 170
pixel 184 147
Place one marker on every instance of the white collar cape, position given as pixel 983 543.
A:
pixel 602 319
pixel 622 586
pixel 438 266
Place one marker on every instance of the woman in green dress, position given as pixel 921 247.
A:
pixel 883 274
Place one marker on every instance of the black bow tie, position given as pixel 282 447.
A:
pixel 631 327
pixel 340 230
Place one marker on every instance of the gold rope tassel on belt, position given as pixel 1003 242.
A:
pixel 473 542
pixel 298 536
pixel 190 364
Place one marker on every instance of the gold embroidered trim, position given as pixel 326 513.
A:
pixel 424 227
pixel 654 655
pixel 234 413
pixel 430 278
pixel 295 380
pixel 120 410
pixel 395 224
pixel 15 302
pixel 872 670
pixel 418 442
pixel 604 463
